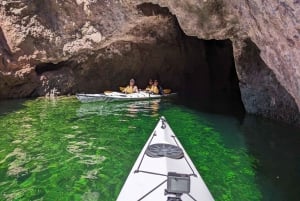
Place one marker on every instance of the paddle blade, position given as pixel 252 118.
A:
pixel 122 88
pixel 107 92
pixel 167 91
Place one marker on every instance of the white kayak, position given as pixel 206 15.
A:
pixel 118 96
pixel 164 172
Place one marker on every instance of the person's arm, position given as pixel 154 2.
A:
pixel 125 90
pixel 135 89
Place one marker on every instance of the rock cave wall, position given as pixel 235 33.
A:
pixel 261 91
pixel 273 26
pixel 89 46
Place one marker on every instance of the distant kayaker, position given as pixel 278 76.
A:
pixel 131 88
pixel 150 84
pixel 156 89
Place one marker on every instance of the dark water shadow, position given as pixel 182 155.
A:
pixel 276 146
pixel 9 106
pixel 222 105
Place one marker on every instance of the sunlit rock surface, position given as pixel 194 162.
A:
pixel 92 45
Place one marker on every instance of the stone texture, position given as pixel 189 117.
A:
pixel 261 91
pixel 80 45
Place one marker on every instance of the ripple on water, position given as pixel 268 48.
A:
pixel 15 194
pixel 91 174
pixel 17 142
pixel 91 159
pixel 74 127
pixel 79 150
pixel 70 136
pixel 91 196
pixel 17 159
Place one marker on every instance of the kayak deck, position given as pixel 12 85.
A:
pixel 161 176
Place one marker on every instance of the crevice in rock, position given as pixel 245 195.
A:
pixel 150 9
pixel 5 51
pixel 3 44
pixel 44 67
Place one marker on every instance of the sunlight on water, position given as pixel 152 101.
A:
pixel 64 150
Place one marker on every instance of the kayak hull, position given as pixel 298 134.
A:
pixel 84 98
pixel 117 96
pixel 149 178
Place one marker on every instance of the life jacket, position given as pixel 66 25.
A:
pixel 129 89
pixel 154 89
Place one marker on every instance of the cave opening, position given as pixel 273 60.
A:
pixel 201 71
pixel 208 79
pixel 45 67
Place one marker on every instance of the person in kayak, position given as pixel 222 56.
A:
pixel 150 84
pixel 156 88
pixel 131 88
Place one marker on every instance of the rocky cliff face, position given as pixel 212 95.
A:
pixel 93 45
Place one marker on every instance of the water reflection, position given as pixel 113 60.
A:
pixel 131 109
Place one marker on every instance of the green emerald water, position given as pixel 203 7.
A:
pixel 64 150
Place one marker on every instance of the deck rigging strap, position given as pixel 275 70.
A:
pixel 154 173
pixel 156 187
pixel 174 137
pixel 137 170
